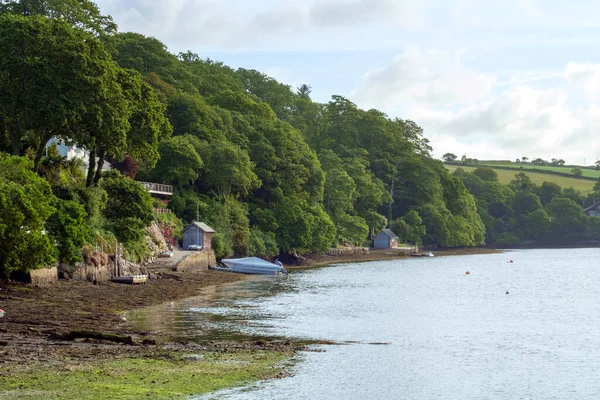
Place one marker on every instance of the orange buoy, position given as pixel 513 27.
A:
pixel 467 273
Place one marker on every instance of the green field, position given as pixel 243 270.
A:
pixel 505 176
pixel 591 173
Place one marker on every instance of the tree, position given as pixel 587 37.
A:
pixel 449 157
pixel 83 14
pixel 486 173
pixel 129 209
pixel 179 162
pixel 49 73
pixel 525 203
pixel 352 229
pixel 524 159
pixel 304 91
pixel 597 165
pixel 127 167
pixel 147 122
pixel 69 228
pixel 538 161
pixel 340 188
pixel 566 218
pixel 548 191
pixel 522 183
pixel 277 95
pixel 227 169
pixel 536 224
pixel 577 171
pixel 415 229
pixel 25 201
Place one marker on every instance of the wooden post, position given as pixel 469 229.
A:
pixel 116 266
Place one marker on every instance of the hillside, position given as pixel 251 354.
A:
pixel 585 186
pixel 565 169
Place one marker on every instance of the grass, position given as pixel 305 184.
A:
pixel 174 377
pixel 590 173
pixel 505 176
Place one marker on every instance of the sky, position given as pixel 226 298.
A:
pixel 495 79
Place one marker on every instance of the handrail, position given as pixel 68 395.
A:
pixel 158 187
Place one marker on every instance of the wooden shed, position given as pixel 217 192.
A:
pixel 198 235
pixel 386 239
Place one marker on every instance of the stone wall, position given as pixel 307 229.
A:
pixel 197 261
pixel 343 251
pixel 43 276
pixel 98 267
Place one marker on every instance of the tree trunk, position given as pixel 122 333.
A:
pixel 390 204
pixel 15 140
pixel 40 151
pixel 91 168
pixel 101 155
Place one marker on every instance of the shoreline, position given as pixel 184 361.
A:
pixel 51 330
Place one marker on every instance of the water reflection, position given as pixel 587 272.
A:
pixel 226 312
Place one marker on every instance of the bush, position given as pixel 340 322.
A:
pixel 25 204
pixel 129 209
pixel 222 245
pixel 171 227
pixel 507 239
pixel 68 227
pixel 262 244
pixel 352 229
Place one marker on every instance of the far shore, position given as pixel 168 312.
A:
pixel 321 260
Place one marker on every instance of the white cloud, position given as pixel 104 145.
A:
pixel 584 76
pixel 417 78
pixel 265 24
pixel 352 12
pixel 465 112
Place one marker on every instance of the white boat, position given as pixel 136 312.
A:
pixel 250 265
pixel 428 254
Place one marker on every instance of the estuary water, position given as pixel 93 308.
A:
pixel 422 328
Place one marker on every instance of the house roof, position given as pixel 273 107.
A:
pixel 592 206
pixel 205 228
pixel 388 233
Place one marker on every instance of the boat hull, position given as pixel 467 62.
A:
pixel 250 265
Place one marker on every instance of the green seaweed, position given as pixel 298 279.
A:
pixel 170 377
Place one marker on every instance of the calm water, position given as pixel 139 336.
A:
pixel 422 329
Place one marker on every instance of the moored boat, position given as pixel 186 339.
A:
pixel 250 265
pixel 428 254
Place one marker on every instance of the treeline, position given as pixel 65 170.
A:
pixel 525 212
pixel 269 168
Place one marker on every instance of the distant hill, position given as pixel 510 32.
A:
pixel 587 172
pixel 585 184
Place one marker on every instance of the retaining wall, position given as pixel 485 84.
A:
pixel 342 251
pixel 197 261
pixel 43 276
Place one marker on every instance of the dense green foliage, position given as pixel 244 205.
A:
pixel 129 208
pixel 269 168
pixel 523 211
pixel 25 201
